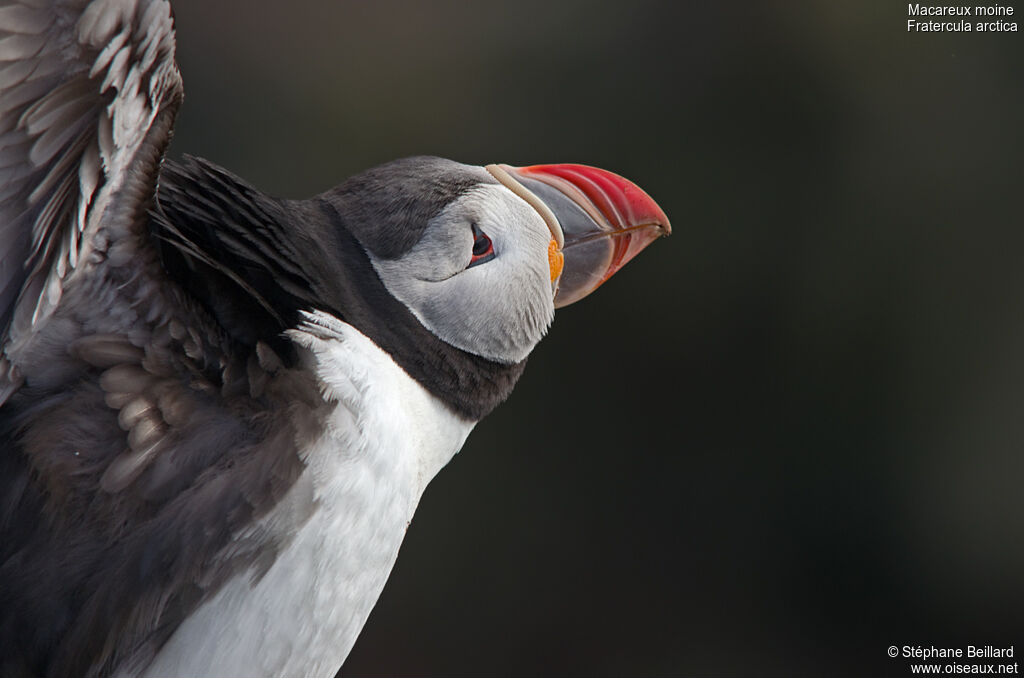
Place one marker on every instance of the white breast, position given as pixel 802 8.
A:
pixel 385 440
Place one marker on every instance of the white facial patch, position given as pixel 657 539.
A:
pixel 498 309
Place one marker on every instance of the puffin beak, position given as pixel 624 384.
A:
pixel 598 221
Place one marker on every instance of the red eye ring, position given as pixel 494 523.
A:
pixel 483 249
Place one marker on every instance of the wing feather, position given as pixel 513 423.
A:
pixel 149 436
pixel 82 83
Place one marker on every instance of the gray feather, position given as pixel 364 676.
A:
pixel 22 19
pixel 125 469
pixel 125 379
pixel 105 350
pixel 147 430
pixel 134 411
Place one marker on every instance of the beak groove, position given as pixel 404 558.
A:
pixel 500 172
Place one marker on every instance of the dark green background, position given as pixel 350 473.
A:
pixel 777 443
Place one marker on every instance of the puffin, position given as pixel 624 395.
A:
pixel 219 409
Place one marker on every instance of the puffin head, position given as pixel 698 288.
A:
pixel 482 256
pixel 454 271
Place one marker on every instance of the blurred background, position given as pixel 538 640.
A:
pixel 777 443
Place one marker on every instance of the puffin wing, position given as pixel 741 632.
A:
pixel 88 93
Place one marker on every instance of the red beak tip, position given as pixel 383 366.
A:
pixel 621 201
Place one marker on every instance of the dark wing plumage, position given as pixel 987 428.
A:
pixel 236 249
pixel 88 92
pixel 140 440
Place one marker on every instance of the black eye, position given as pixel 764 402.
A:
pixel 483 250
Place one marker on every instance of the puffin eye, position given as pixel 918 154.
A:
pixel 483 250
